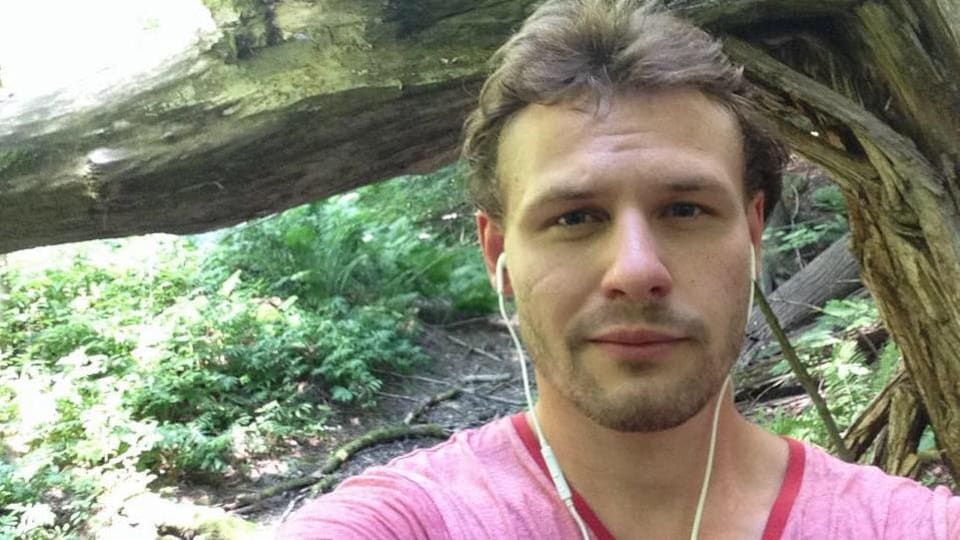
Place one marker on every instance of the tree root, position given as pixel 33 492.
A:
pixel 434 400
pixel 872 419
pixel 321 479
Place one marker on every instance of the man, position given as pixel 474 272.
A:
pixel 622 178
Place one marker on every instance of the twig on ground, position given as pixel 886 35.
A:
pixel 477 350
pixel 445 383
pixel 487 377
pixel 434 400
pixel 293 504
pixel 499 386
pixel 506 401
pixel 466 322
pixel 397 396
pixel 412 377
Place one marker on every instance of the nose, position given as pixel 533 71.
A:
pixel 636 270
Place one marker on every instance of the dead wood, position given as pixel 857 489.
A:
pixel 471 348
pixel 472 392
pixel 872 419
pixel 906 421
pixel 486 377
pixel 433 401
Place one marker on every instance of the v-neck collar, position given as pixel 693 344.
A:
pixel 776 521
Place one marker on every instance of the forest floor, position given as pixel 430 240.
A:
pixel 475 356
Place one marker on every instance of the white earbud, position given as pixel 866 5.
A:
pixel 753 280
pixel 501 264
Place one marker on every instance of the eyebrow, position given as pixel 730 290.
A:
pixel 561 193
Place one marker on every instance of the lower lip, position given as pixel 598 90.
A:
pixel 645 352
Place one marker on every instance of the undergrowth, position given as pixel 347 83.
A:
pixel 849 380
pixel 116 371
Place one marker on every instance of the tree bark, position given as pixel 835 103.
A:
pixel 295 102
pixel 875 83
pixel 873 418
pixel 905 424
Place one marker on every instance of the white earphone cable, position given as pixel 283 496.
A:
pixel 556 474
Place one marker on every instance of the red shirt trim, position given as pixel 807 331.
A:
pixel 776 522
pixel 533 447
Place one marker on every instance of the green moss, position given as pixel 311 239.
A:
pixel 247 25
pixel 16 162
pixel 227 528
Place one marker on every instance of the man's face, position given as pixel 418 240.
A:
pixel 628 240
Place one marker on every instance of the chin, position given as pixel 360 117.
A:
pixel 645 408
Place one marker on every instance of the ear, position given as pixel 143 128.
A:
pixel 755 222
pixel 490 235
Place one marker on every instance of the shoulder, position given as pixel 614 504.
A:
pixel 422 494
pixel 844 500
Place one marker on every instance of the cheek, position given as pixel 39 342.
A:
pixel 720 286
pixel 552 292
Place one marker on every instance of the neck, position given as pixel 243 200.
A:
pixel 660 472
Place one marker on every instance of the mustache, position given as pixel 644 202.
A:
pixel 653 316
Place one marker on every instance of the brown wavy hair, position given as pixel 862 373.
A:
pixel 568 49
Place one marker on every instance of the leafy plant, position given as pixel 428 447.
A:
pixel 148 358
pixel 848 381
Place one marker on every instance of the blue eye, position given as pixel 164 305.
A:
pixel 684 210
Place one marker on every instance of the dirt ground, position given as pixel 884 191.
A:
pixel 477 347
pixel 459 352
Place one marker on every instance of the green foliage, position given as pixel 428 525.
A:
pixel 815 214
pixel 804 235
pixel 206 353
pixel 829 198
pixel 848 381
pixel 387 242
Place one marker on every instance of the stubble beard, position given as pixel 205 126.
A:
pixel 644 402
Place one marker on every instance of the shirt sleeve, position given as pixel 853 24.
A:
pixel 922 513
pixel 376 504
pixel 951 510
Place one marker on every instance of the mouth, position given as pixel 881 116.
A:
pixel 637 345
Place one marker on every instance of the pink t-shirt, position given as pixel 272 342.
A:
pixel 491 482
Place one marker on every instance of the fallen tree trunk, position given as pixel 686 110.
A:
pixel 275 106
pixel 832 274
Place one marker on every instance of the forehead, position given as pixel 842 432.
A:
pixel 673 135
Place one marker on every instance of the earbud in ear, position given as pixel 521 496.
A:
pixel 501 264
pixel 753 281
